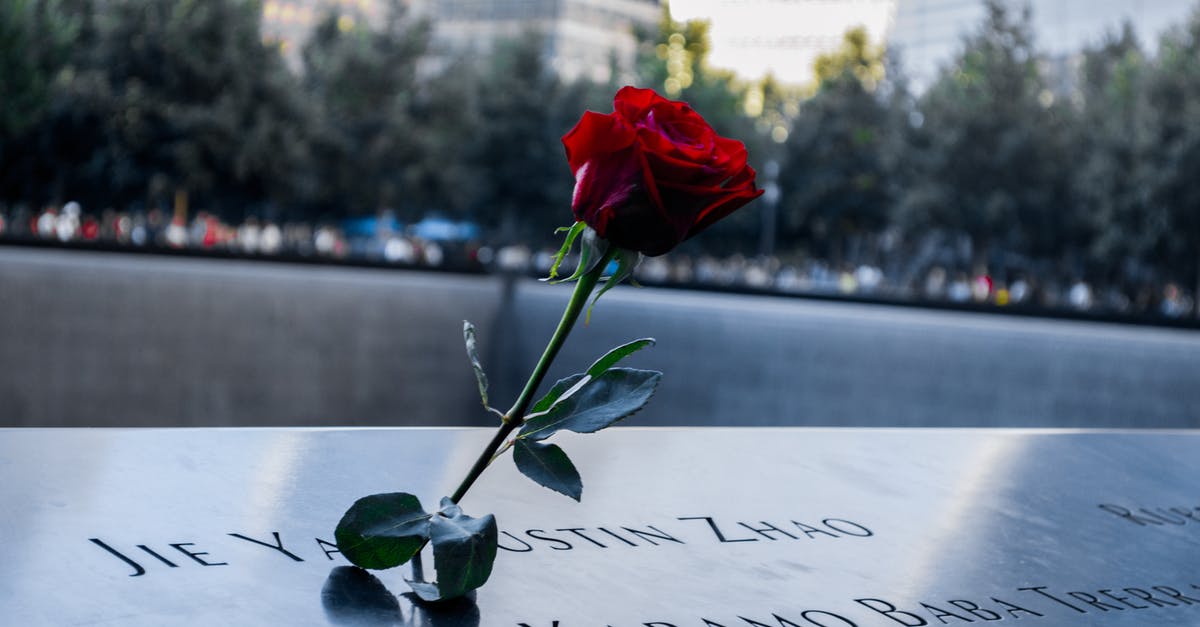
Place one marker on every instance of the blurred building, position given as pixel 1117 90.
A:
pixel 583 38
pixel 929 33
pixel 782 38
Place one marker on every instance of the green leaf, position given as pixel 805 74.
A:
pixel 596 369
pixel 627 262
pixel 560 387
pixel 464 550
pixel 573 231
pixel 617 354
pixel 548 466
pixel 382 530
pixel 473 355
pixel 614 395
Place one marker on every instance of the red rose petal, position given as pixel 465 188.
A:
pixel 654 173
pixel 632 103
pixel 595 134
pixel 685 172
pixel 605 181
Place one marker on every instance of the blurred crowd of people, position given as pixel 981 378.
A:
pixel 159 229
pixel 385 242
pixel 771 274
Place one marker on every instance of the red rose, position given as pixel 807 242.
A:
pixel 653 173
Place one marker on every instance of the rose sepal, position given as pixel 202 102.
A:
pixel 464 551
pixel 572 232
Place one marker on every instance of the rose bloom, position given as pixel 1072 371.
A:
pixel 653 173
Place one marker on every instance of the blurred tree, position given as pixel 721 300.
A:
pixel 834 192
pixel 35 56
pixel 195 104
pixel 988 151
pixel 445 119
pixel 1171 177
pixel 363 83
pixel 522 170
pixel 35 38
pixel 1108 141
pixel 856 58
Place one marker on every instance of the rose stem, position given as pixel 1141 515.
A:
pixel 516 416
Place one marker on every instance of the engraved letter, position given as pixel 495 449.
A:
pixel 138 571
pixel 278 546
pixel 890 611
pixel 579 532
pixel 527 548
pixel 1042 591
pixel 1146 596
pixel 649 537
pixel 1121 599
pixel 974 610
pixel 195 554
pixel 717 530
pixel 1140 521
pixel 327 551
pixel 845 621
pixel 1013 608
pixel 863 532
pixel 766 529
pixel 941 614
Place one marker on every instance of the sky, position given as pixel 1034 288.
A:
pixel 784 36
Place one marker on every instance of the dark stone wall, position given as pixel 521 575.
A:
pixel 100 339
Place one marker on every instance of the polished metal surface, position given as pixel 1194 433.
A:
pixel 678 527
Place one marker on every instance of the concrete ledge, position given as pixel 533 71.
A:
pixel 101 339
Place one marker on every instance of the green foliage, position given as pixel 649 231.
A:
pixel 1171 156
pixel 156 97
pixel 548 466
pixel 464 550
pixel 599 403
pixel 599 367
pixel 627 262
pixel 560 387
pixel 383 530
pixel 603 400
pixel 987 158
pixel 614 356
pixel 835 193
pixel 473 356
pixel 858 58
pixel 35 38
pixel 572 232
pixel 1109 139
pixel 131 103
pixel 363 84
pixel 386 530
pixel 523 178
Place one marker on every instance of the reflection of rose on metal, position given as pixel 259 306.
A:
pixel 647 177
pixel 353 596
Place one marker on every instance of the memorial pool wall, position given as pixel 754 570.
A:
pixel 104 339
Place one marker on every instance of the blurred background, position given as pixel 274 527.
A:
pixel 241 212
